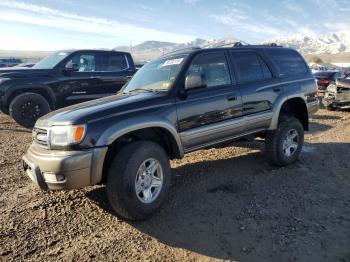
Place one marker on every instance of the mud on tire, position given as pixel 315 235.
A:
pixel 289 134
pixel 124 174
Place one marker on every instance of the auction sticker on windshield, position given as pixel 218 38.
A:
pixel 176 61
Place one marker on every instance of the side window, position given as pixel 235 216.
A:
pixel 288 62
pixel 85 62
pixel 250 67
pixel 212 67
pixel 266 71
pixel 112 63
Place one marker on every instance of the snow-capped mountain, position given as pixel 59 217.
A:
pixel 330 44
pixel 152 49
pixel 169 46
pixel 333 43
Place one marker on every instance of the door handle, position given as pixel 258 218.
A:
pixel 231 98
pixel 277 89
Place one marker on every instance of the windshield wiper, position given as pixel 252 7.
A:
pixel 143 89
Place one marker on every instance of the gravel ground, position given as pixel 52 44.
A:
pixel 225 203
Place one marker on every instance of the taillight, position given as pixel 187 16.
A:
pixel 324 81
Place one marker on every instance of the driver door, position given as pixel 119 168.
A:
pixel 209 113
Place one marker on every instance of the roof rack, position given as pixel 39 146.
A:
pixel 216 46
pixel 182 50
pixel 234 44
pixel 240 44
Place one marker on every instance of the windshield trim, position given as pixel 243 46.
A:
pixel 183 63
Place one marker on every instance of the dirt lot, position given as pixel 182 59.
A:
pixel 225 203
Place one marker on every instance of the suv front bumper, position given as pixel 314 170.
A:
pixel 57 170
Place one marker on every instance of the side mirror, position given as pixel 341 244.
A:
pixel 71 67
pixel 194 81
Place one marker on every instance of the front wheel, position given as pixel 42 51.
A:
pixel 138 180
pixel 284 144
pixel 26 108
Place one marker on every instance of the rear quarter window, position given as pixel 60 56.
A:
pixel 250 67
pixel 288 62
pixel 112 62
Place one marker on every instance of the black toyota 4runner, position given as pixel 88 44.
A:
pixel 179 103
pixel 64 78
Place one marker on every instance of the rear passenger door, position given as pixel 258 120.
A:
pixel 259 87
pixel 113 71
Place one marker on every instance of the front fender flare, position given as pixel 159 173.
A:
pixel 126 126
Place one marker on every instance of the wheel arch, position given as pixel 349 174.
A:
pixel 293 105
pixel 45 91
pixel 161 133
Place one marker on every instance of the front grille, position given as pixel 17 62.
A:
pixel 40 136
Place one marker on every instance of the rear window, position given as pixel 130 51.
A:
pixel 324 74
pixel 288 62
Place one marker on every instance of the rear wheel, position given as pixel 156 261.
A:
pixel 138 180
pixel 26 108
pixel 284 144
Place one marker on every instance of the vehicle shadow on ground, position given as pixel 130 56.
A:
pixel 236 209
pixel 15 130
pixel 324 117
pixel 316 127
pixel 5 124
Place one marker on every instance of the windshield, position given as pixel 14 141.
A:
pixel 51 61
pixel 158 75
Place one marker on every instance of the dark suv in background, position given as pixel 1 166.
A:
pixel 179 103
pixel 326 78
pixel 64 78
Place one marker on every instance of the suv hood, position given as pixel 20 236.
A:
pixel 23 72
pixel 102 108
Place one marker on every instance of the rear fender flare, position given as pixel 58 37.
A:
pixel 277 108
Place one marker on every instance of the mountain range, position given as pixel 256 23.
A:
pixel 333 43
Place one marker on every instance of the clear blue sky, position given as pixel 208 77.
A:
pixel 59 24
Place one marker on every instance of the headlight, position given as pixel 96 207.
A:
pixel 66 135
pixel 332 88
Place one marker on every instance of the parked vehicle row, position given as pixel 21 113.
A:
pixel 64 78
pixel 326 78
pixel 27 65
pixel 337 95
pixel 9 62
pixel 182 102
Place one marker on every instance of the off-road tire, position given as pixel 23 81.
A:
pixel 121 180
pixel 274 141
pixel 21 101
